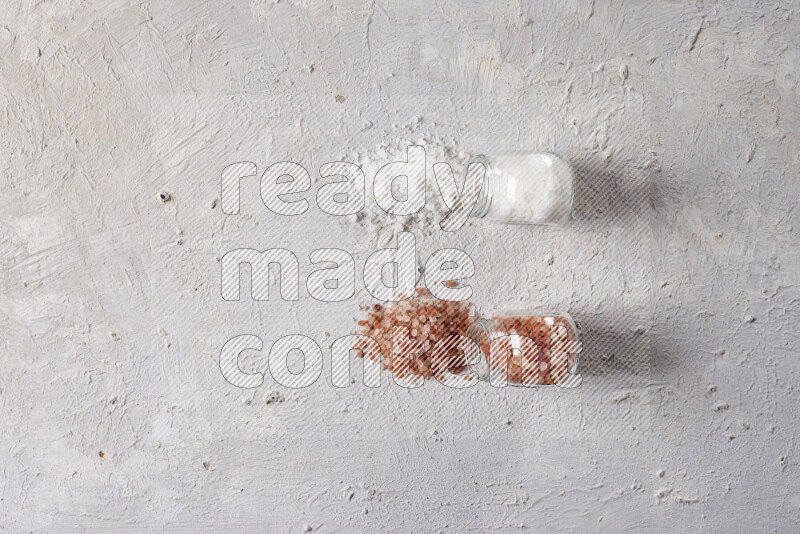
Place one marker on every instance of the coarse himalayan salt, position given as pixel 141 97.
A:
pixel 428 320
pixel 549 360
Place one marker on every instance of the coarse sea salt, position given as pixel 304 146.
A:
pixel 525 188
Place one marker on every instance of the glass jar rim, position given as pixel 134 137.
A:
pixel 485 198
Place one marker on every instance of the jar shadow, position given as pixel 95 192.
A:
pixel 614 347
pixel 610 191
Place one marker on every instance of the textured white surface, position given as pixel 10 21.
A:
pixel 682 264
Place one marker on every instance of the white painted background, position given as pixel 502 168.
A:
pixel 681 265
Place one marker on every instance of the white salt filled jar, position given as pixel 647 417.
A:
pixel 525 188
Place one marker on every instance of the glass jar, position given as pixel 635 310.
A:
pixel 536 188
pixel 526 348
